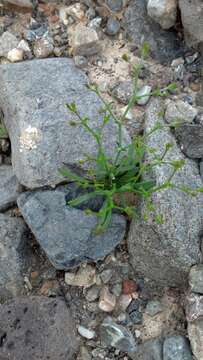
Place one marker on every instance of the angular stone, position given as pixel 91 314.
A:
pixel 195 333
pixel 194 307
pixel 118 336
pixel 151 244
pixel 66 233
pixel 39 125
pixel 37 328
pixel 13 249
pixel 85 41
pixel 154 307
pixel 115 5
pixel 164 12
pixel 9 187
pixel 165 45
pixel 7 42
pixel 112 26
pixel 192 19
pixel 190 137
pixel 150 350
pixel 180 111
pixel 123 91
pixel 176 347
pixel 196 278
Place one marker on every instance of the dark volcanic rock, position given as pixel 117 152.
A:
pixel 66 233
pixel 165 45
pixel 36 328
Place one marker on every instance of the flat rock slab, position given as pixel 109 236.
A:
pixel 33 98
pixel 9 187
pixel 165 252
pixel 66 233
pixel 36 328
pixel 13 249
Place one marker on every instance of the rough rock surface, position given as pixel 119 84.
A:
pixel 194 313
pixel 40 126
pixel 192 19
pixel 9 187
pixel 150 350
pixel 13 256
pixel 190 137
pixel 8 41
pixel 66 233
pixel 36 328
pixel 165 45
pixel 28 4
pixel 164 12
pixel 176 347
pixel 177 239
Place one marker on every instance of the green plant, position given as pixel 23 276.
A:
pixel 114 177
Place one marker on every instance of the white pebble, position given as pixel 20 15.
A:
pixel 86 333
pixel 15 55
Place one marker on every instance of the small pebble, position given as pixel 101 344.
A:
pixel 106 276
pixel 43 48
pixel 154 307
pixel 124 301
pixel 144 94
pixel 92 294
pixel 15 55
pixel 107 300
pixel 86 333
pixel 95 23
pixel 129 286
pixel 112 26
pixel 80 61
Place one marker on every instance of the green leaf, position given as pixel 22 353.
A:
pixel 72 107
pixel 3 132
pixel 67 173
pixel 83 198
pixel 145 50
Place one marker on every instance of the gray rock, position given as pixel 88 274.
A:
pixel 112 26
pixel 7 42
pixel 180 111
pixel 190 137
pixel 196 278
pixel 13 249
pixel 195 333
pixel 194 307
pixel 85 41
pixel 165 45
pixel 40 126
pixel 80 61
pixel 65 233
pixel 9 187
pixel 192 19
pixel 43 47
pixel 150 350
pixel 37 328
pixel 176 347
pixel 164 12
pixel 154 307
pixel 115 5
pixel 144 94
pixel 151 244
pixel 123 91
pixel 114 335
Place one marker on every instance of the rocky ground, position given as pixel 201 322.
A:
pixel 136 291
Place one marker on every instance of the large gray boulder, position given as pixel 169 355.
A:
pixel 192 19
pixel 66 234
pixel 33 97
pixel 37 328
pixel 165 252
pixel 13 250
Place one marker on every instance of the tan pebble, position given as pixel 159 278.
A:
pixel 107 300
pixel 15 55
